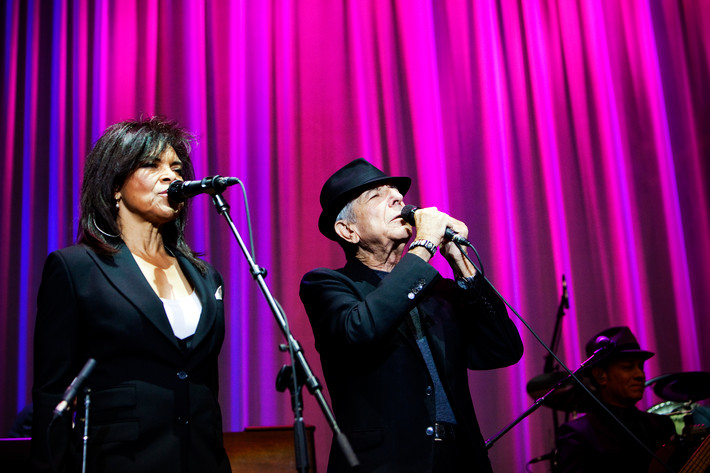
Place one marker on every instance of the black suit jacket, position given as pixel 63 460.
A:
pixel 153 401
pixel 376 376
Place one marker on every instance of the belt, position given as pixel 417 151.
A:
pixel 444 431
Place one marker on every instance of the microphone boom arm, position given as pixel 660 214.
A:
pixel 597 356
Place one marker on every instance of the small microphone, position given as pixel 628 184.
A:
pixel 604 347
pixel 408 216
pixel 180 191
pixel 565 295
pixel 602 343
pixel 73 388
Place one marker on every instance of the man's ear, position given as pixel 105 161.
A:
pixel 346 231
pixel 599 375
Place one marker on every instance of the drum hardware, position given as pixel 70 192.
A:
pixel 687 386
pixel 681 413
pixel 566 398
pixel 690 450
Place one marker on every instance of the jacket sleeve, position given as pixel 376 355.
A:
pixel 347 313
pixel 493 340
pixel 56 363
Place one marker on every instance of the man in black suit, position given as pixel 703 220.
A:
pixel 596 442
pixel 394 337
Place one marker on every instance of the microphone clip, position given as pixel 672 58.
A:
pixel 180 191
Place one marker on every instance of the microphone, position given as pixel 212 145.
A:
pixel 73 388
pixel 602 342
pixel 605 346
pixel 180 191
pixel 565 295
pixel 408 216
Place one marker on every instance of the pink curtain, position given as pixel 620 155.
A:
pixel 572 137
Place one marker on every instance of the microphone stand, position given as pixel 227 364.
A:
pixel 549 360
pixel 286 378
pixel 564 304
pixel 309 379
pixel 87 402
pixel 596 356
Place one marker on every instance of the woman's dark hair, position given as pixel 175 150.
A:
pixel 115 156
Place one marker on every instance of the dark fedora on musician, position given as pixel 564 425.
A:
pixel 346 184
pixel 624 343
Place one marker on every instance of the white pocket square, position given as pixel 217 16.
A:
pixel 218 293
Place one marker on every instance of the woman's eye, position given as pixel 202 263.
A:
pixel 178 171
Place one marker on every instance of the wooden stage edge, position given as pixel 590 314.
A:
pixel 256 450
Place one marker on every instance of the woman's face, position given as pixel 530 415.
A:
pixel 144 195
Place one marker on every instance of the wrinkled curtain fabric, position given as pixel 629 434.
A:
pixel 571 137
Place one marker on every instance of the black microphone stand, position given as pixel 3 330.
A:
pixel 85 438
pixel 596 356
pixel 286 378
pixel 554 345
pixel 564 304
pixel 309 379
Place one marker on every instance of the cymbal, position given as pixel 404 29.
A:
pixel 682 387
pixel 566 397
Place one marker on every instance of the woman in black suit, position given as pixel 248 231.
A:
pixel 135 297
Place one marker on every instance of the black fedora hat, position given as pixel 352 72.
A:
pixel 347 183
pixel 624 343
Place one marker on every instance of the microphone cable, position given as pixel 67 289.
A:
pixel 248 216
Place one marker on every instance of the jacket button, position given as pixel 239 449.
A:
pixel 181 375
pixel 430 431
pixel 429 390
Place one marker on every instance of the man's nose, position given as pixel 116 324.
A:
pixel 396 198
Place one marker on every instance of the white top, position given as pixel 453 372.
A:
pixel 183 314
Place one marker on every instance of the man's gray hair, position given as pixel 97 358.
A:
pixel 347 213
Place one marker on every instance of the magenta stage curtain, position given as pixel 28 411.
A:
pixel 571 137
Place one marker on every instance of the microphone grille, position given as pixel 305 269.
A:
pixel 603 342
pixel 175 191
pixel 407 213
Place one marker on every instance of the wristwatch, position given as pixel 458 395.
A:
pixel 426 244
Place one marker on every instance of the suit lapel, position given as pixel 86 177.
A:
pixel 125 275
pixel 357 271
pixel 206 293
